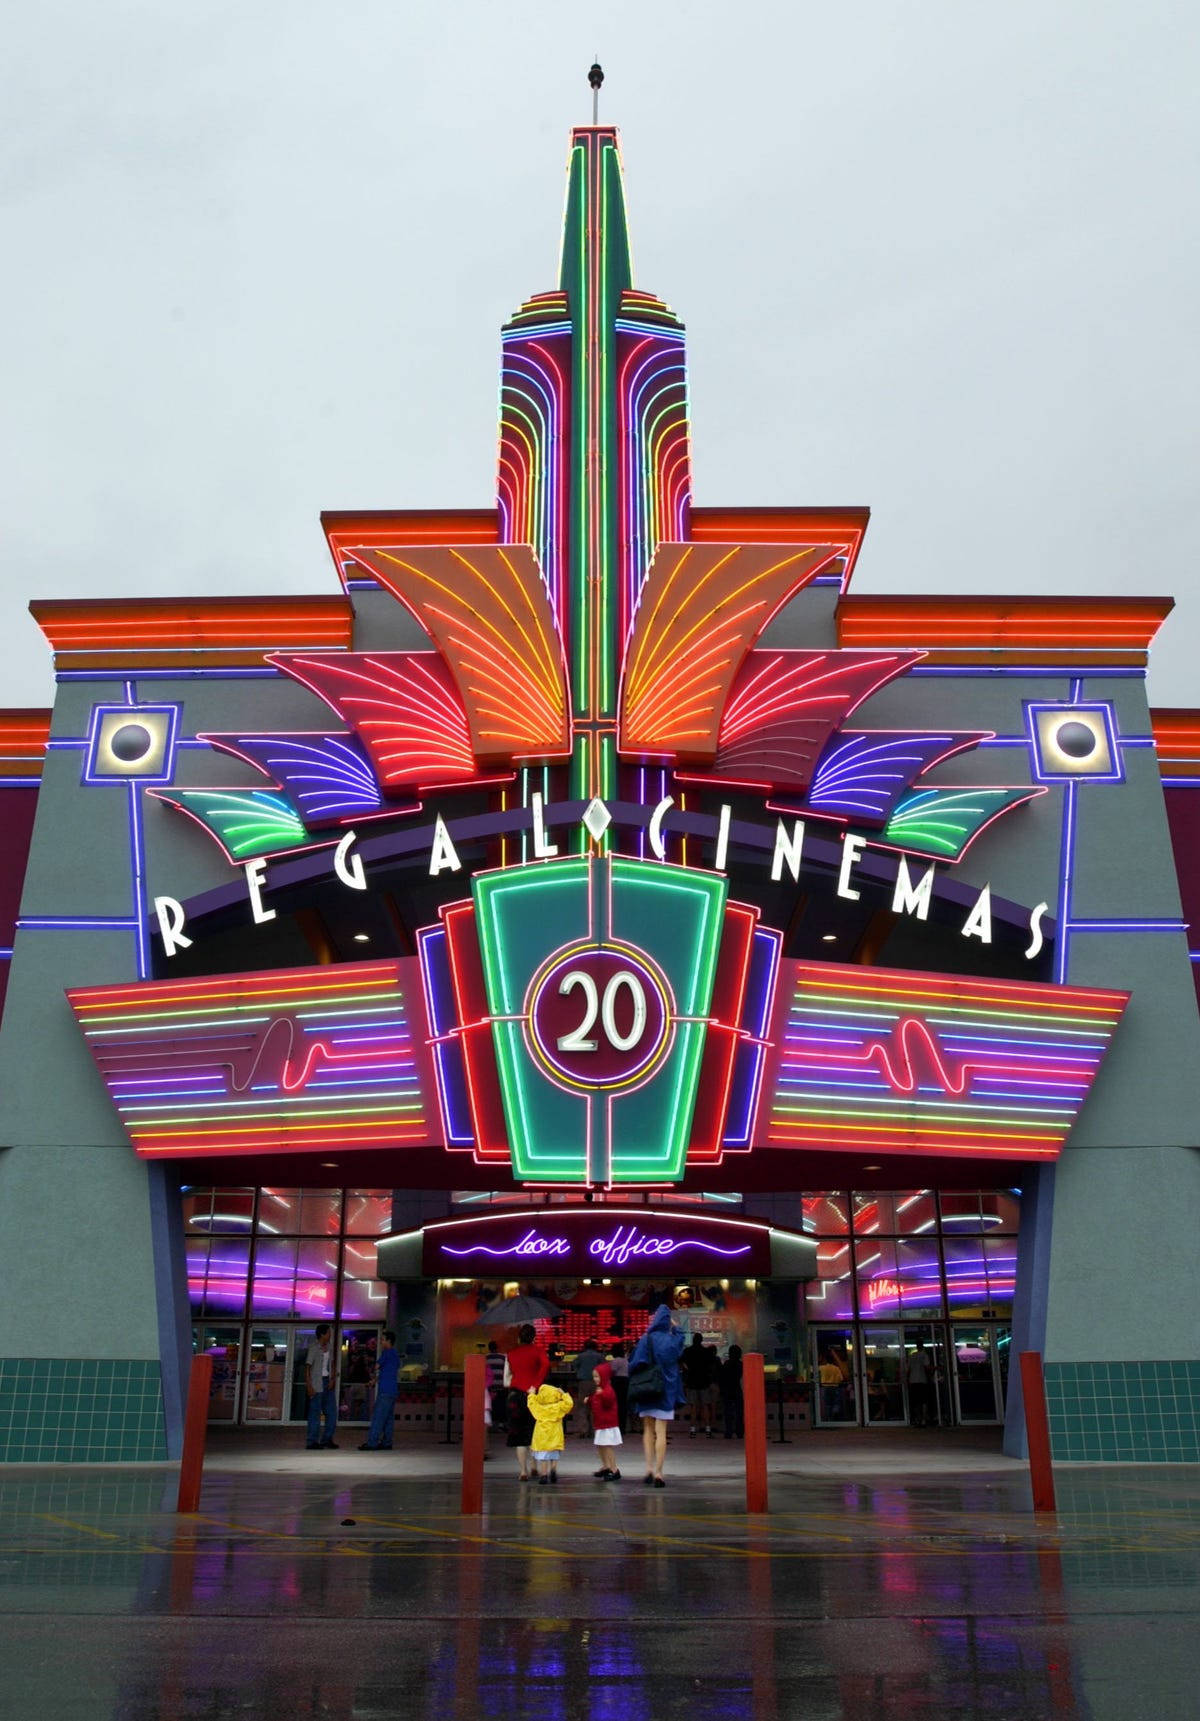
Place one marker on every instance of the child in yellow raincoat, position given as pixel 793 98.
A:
pixel 548 1406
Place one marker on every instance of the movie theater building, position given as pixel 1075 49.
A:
pixel 595 895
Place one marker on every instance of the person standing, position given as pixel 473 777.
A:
pixel 526 1365
pixel 658 1352
pixel 585 1370
pixel 603 1410
pixel 730 1382
pixel 494 1363
pixel 919 1380
pixel 697 1379
pixel 619 1363
pixel 548 1406
pixel 520 1431
pixel 319 1385
pixel 387 1386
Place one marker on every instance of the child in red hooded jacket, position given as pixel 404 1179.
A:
pixel 606 1419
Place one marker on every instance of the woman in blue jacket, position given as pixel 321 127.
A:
pixel 661 1343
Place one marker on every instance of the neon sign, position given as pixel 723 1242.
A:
pixel 627 1243
pixel 878 1061
pixel 302 1060
pixel 583 1242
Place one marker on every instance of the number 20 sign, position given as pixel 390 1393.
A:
pixel 599 976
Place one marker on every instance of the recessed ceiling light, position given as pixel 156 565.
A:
pixel 362 938
pixel 872 1168
pixel 331 1165
pixel 829 938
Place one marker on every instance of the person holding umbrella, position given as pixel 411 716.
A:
pixel 525 1368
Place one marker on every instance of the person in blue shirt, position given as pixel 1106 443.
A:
pixel 387 1376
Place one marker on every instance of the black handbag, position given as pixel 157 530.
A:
pixel 646 1381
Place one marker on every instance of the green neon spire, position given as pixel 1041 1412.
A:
pixel 595 269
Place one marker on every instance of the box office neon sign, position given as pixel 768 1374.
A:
pixel 570 1243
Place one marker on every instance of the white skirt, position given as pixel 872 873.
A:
pixel 657 1415
pixel 608 1437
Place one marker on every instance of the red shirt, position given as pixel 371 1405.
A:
pixel 603 1404
pixel 528 1365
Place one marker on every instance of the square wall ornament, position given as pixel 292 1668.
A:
pixel 131 743
pixel 1070 742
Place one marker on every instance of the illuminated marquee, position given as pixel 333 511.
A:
pixel 303 1060
pixel 875 1061
pixel 602 1241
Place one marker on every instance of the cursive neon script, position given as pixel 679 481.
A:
pixel 626 1243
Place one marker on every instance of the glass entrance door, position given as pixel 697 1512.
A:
pixel 880 1383
pixel 356 1375
pixel 833 1376
pixel 977 1382
pixel 224 1346
pixel 266 1374
pixel 927 1403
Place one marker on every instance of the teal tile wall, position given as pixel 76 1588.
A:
pixel 75 1411
pixel 1124 1412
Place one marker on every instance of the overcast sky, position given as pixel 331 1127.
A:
pixel 934 256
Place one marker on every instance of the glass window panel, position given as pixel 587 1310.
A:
pixel 316 1278
pixel 1000 1259
pixel 228 1271
pixel 916 1211
pixel 233 1209
pixel 960 1211
pixel 196 1205
pixel 888 1212
pixel 360 1259
pixel 279 1212
pixel 320 1212
pixel 825 1214
pixel 1001 1210
pixel 274 1274
pixel 878 1285
pixel 196 1250
pixel 829 1295
pixel 920 1273
pixel 966 1280
pixel 368 1212
pixel 364 1300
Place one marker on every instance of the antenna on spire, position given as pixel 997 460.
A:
pixel 595 79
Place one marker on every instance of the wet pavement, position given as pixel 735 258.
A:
pixel 895 1576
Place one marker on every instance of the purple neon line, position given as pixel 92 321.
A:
pixel 164 674
pixel 1129 925
pixel 53 922
pixel 6 953
pixel 1025 671
pixel 1067 851
pixel 139 876
pixel 454 1132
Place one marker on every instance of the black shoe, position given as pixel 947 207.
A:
pixel 647 1481
pixel 329 1446
pixel 313 1446
pixel 367 1447
pixel 542 1481
pixel 600 1475
pixel 658 1482
pixel 554 1475
pixel 614 1475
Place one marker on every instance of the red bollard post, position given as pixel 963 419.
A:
pixel 195 1426
pixel 474 1433
pixel 1037 1431
pixel 754 1403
